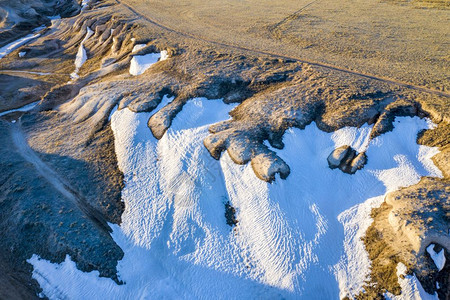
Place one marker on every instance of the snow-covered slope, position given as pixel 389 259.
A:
pixel 296 238
pixel 411 287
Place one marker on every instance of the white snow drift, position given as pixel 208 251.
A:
pixel 296 238
pixel 24 108
pixel 438 258
pixel 5 50
pixel 140 63
pixel 138 47
pixel 81 57
pixel 411 287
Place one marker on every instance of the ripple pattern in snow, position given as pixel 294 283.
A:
pixel 296 238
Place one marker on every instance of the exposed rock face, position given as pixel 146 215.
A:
pixel 399 108
pixel 346 159
pixel 423 216
pixel 230 215
pixel 338 156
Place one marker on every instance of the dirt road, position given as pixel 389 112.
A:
pixel 283 52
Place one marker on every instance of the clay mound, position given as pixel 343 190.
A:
pixel 423 216
pixel 411 220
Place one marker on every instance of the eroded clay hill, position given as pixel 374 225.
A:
pixel 274 94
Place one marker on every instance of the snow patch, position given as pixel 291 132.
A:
pixel 138 47
pixel 5 50
pixel 438 258
pixel 425 156
pixel 164 55
pixel 140 63
pixel 22 53
pixel 296 238
pixel 30 72
pixel 84 4
pixel 81 54
pixel 411 287
pixel 24 108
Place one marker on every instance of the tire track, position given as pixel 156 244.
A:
pixel 294 14
pixel 301 60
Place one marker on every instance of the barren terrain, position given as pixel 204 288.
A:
pixel 376 38
pixel 275 67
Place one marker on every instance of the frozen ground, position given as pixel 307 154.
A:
pixel 296 238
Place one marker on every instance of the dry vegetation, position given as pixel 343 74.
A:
pixel 436 4
pixel 373 37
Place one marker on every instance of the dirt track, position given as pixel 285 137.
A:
pixel 282 54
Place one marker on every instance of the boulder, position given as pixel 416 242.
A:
pixel 347 159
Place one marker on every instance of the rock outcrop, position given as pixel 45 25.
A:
pixel 405 225
pixel 346 159
pixel 422 214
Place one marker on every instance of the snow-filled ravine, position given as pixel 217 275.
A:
pixel 24 108
pixel 81 57
pixel 296 238
pixel 5 50
pixel 140 63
